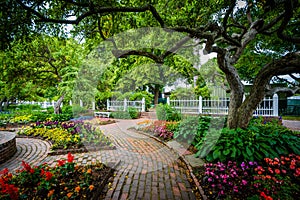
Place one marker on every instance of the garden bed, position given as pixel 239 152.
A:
pixel 65 180
pixel 73 136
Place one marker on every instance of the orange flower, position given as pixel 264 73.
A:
pixel 268 177
pixel 91 187
pixel 77 189
pixel 259 172
pixel 89 171
pixel 66 188
pixel 50 193
pixel 69 194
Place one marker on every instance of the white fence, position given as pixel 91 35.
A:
pixel 268 107
pixel 47 104
pixel 125 104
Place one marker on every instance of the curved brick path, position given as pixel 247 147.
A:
pixel 147 169
pixel 32 151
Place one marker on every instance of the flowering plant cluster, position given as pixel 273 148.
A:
pixel 276 178
pixel 102 121
pixel 66 135
pixel 159 128
pixel 65 180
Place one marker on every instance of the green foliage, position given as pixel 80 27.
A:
pixel 183 93
pixel 167 113
pixel 133 112
pixel 255 143
pixel 192 129
pixel 143 94
pixel 120 115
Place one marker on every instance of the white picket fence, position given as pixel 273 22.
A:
pixel 114 105
pixel 47 104
pixel 268 107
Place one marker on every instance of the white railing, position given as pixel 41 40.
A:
pixel 114 105
pixel 47 104
pixel 268 107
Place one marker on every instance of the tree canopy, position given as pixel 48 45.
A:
pixel 256 40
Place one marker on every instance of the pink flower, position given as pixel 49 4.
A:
pixel 244 182
pixel 209 179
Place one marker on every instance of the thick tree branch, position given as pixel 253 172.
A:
pixel 93 11
pixel 288 91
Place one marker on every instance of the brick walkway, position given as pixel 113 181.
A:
pixel 147 169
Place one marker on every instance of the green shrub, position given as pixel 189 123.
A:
pixel 133 112
pixel 140 95
pixel 29 107
pixel 61 117
pixel 120 115
pixel 39 116
pixel 167 113
pixel 192 129
pixel 255 143
pixel 50 110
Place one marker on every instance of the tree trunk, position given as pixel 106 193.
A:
pixel 156 94
pixel 57 109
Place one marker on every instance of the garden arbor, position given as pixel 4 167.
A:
pixel 264 36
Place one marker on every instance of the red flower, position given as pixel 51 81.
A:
pixel 277 171
pixel 269 198
pixel 48 176
pixel 4 171
pixel 70 157
pixel 283 171
pixel 61 162
pixel 262 194
pixel 292 166
pixel 26 166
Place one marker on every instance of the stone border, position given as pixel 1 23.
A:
pixel 8 146
pixel 181 158
pixel 66 151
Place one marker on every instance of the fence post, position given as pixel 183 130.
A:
pixel 53 104
pixel 93 105
pixel 70 103
pixel 275 104
pixel 143 105
pixel 168 100
pixel 200 105
pixel 80 103
pixel 107 108
pixel 125 104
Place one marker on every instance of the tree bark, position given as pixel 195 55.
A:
pixel 156 94
pixel 287 64
pixel 57 109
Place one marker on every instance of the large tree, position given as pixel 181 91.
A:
pixel 228 28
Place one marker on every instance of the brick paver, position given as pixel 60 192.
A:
pixel 146 168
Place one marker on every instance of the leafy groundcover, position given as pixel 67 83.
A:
pixel 64 181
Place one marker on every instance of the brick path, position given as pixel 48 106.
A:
pixel 147 169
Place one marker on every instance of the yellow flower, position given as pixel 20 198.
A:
pixel 69 194
pixel 89 171
pixel 77 189
pixel 91 187
pixel 50 193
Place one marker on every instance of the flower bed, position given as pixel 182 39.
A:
pixel 161 129
pixel 102 121
pixel 276 178
pixel 64 181
pixel 75 136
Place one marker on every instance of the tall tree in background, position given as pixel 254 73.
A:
pixel 229 28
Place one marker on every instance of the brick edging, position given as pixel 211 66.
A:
pixel 181 158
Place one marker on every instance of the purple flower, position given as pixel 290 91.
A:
pixel 209 179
